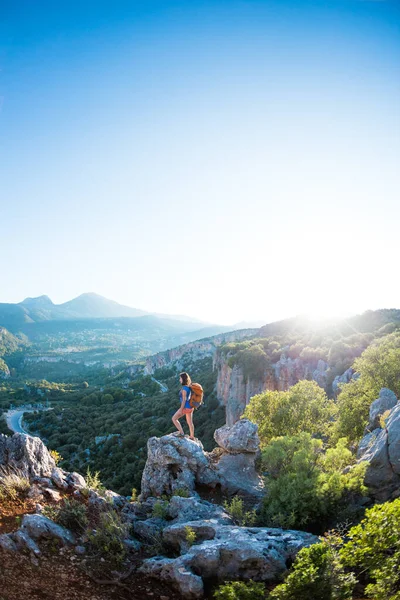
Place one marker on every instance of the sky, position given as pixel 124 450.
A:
pixel 228 160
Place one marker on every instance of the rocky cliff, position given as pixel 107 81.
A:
pixel 234 390
pixel 185 354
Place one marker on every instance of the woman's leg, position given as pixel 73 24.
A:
pixel 175 420
pixel 189 420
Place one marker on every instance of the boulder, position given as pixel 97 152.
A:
pixel 192 509
pixel 7 543
pixel 37 527
pixel 223 552
pixel 386 401
pixel 58 476
pixel 27 454
pixel 175 463
pixel 75 481
pixel 381 448
pixel 241 437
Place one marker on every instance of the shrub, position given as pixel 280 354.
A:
pixel 378 367
pixel 160 509
pixel 108 537
pixel 304 407
pixel 240 590
pixel 13 484
pixel 236 509
pixel 70 514
pixel 190 535
pixel 307 487
pixel 317 574
pixel 93 481
pixel 374 548
pixel 181 492
pixel 56 456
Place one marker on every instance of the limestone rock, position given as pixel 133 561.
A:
pixel 26 453
pixel 75 481
pixel 172 463
pixel 176 462
pixel 192 509
pixel 241 437
pixel 386 401
pixel 58 476
pixel 381 448
pixel 224 552
pixel 38 527
pixel 7 543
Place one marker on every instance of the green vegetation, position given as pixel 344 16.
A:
pixel 307 486
pixel 107 540
pixel 69 513
pixel 374 549
pixel 304 407
pixel 190 535
pixel 14 484
pixel 240 590
pixel 378 367
pixel 318 574
pixel 237 511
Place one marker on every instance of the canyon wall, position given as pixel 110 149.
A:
pixel 234 390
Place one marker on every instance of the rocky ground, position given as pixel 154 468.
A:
pixel 40 558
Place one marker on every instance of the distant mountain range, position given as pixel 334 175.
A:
pixel 85 306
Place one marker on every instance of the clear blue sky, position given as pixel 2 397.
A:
pixel 224 159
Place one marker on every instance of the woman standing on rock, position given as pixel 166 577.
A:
pixel 185 408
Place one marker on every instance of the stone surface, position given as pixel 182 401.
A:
pixel 58 477
pixel 223 552
pixel 386 401
pixel 193 509
pixel 75 481
pixel 234 390
pixel 241 437
pixel 381 448
pixel 39 527
pixel 175 463
pixel 27 454
pixel 7 543
pixel 340 379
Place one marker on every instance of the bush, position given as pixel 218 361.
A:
pixel 160 509
pixel 181 492
pixel 306 486
pixel 236 509
pixel 108 537
pixel 70 514
pixel 13 484
pixel 374 548
pixel 190 535
pixel 317 574
pixel 304 407
pixel 240 590
pixel 378 366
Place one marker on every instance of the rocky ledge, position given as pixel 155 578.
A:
pixel 217 548
pixel 175 463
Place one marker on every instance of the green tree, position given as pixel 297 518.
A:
pixel 378 366
pixel 304 407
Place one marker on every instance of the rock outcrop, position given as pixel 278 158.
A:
pixel 27 454
pixel 223 552
pixel 234 390
pixel 175 463
pixel 179 357
pixel 381 448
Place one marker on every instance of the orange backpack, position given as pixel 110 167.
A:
pixel 196 395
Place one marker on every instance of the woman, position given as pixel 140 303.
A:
pixel 185 408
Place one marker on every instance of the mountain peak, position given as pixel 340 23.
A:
pixel 38 301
